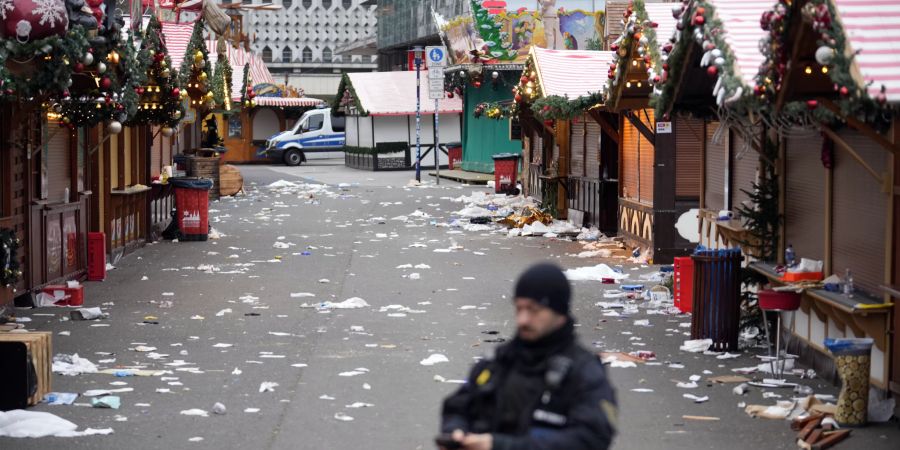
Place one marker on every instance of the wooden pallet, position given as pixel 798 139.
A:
pixel 39 344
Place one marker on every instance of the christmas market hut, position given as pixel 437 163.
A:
pixel 380 111
pixel 830 94
pixel 557 104
pixel 710 70
pixel 658 186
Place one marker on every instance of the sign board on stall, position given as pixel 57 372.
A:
pixel 663 127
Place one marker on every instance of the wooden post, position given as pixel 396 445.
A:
pixel 565 152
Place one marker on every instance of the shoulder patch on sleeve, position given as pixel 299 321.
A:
pixel 483 377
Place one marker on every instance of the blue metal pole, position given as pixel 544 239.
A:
pixel 418 60
pixel 437 144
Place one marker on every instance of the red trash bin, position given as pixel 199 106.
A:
pixel 192 207
pixel 506 172
pixel 454 154
pixel 96 256
pixel 684 284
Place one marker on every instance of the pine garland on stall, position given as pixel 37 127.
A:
pixel 193 75
pixel 247 93
pixel 221 83
pixel 639 37
pixel 347 98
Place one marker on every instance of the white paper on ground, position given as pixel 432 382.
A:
pixel 267 386
pixel 350 303
pixel 695 398
pixel 594 273
pixel 696 346
pixel 434 359
pixel 195 412
pixel 74 365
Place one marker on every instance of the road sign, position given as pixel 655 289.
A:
pixel 435 82
pixel 436 56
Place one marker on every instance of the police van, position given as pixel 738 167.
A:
pixel 317 131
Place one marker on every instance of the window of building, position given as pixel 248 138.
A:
pixel 287 54
pixel 307 55
pixel 307 3
pixel 326 4
pixel 326 55
pixel 247 2
pixel 347 3
pixel 286 3
pixel 267 54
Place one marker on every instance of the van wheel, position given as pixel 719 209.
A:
pixel 293 158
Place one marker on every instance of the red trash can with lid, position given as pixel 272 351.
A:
pixel 192 207
pixel 506 172
pixel 454 154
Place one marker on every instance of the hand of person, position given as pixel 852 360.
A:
pixel 477 441
pixel 457 436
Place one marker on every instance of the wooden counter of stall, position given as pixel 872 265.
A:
pixel 824 314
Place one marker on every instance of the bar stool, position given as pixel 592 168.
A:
pixel 777 302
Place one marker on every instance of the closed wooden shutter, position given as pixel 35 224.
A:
pixel 59 172
pixel 576 140
pixel 629 169
pixel 804 204
pixel 592 141
pixel 744 170
pixel 537 150
pixel 860 213
pixel 688 157
pixel 716 165
pixel 648 160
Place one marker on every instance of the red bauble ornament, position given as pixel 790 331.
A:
pixel 610 74
pixel 105 83
pixel 668 47
pixel 712 71
pixel 139 90
pixel 449 95
pixel 523 80
pixel 699 20
pixel 176 92
pixel 844 91
pixel 548 123
pixel 614 47
pixel 758 90
pixel 812 104
pixel 78 67
pixel 701 10
pixel 666 66
pixel 29 20
pixel 518 98
pixel 477 84
pixel 656 79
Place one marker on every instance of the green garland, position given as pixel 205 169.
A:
pixel 346 97
pixel 623 48
pixel 853 99
pixel 221 82
pixel 55 57
pixel 496 110
pixel 247 93
pixel 10 273
pixel 495 40
pixel 163 108
pixel 555 107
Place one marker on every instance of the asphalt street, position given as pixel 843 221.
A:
pixel 231 311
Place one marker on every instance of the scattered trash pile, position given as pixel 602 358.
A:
pixel 517 216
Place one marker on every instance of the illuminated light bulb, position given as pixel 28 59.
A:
pixel 634 62
pixel 808 70
pixel 824 69
pixel 628 84
pixel 638 84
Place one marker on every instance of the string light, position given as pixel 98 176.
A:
pixel 824 69
pixel 808 70
pixel 628 84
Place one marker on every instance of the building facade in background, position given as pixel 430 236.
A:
pixel 300 42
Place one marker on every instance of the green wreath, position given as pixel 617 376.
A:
pixel 10 274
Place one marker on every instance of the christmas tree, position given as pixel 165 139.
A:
pixel 762 217
pixel 193 74
pixel 159 101
pixel 221 83
pixel 247 93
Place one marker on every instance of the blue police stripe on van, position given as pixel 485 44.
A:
pixel 331 140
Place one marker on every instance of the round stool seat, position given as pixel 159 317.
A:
pixel 778 301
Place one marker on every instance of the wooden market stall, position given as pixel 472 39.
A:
pixel 568 141
pixel 656 193
pixel 380 108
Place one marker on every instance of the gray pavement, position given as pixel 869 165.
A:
pixel 272 336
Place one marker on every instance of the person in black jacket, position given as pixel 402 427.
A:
pixel 541 390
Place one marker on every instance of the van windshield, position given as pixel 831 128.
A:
pixel 315 122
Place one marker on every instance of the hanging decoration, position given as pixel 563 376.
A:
pixel 159 98
pixel 194 75
pixel 497 45
pixel 41 67
pixel 29 20
pixel 247 93
pixel 10 273
pixel 347 99
pixel 221 83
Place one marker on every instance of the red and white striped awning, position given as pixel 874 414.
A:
pixel 288 101
pixel 661 13
pixel 743 33
pixel 394 94
pixel 238 58
pixel 178 36
pixel 571 73
pixel 872 28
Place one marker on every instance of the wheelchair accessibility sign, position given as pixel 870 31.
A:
pixel 437 56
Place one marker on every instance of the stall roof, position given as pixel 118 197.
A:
pixel 238 58
pixel 394 94
pixel 661 13
pixel 872 28
pixel 178 36
pixel 288 101
pixel 571 73
pixel 743 34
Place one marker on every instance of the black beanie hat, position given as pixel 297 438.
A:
pixel 546 284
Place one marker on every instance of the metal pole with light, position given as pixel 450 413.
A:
pixel 417 53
